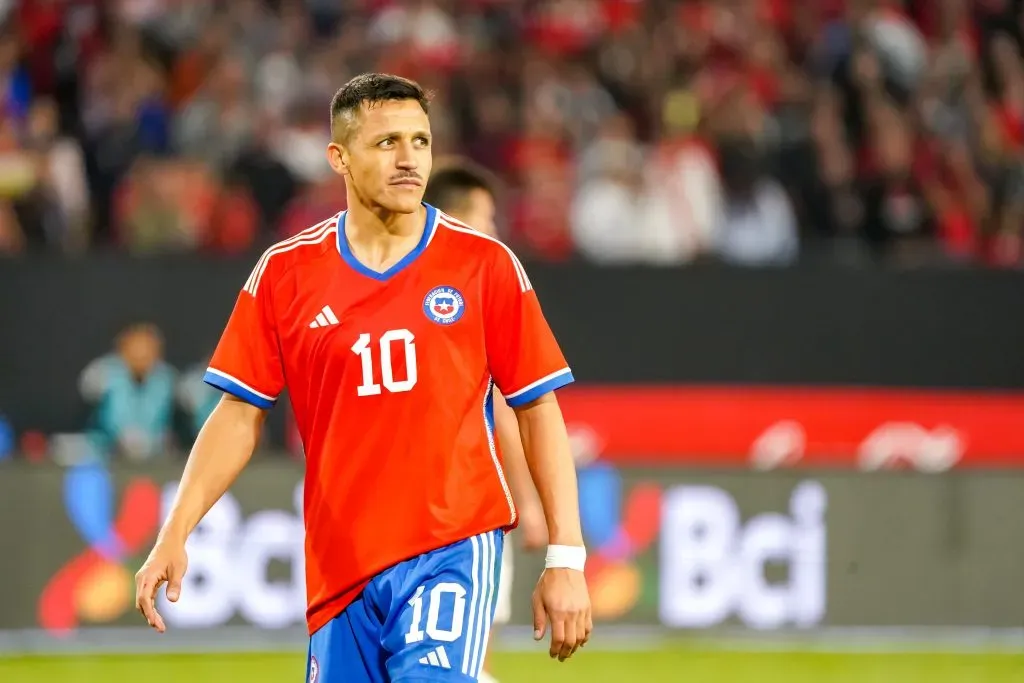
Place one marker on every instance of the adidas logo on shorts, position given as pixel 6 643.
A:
pixel 437 658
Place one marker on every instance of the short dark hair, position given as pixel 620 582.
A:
pixel 373 89
pixel 452 180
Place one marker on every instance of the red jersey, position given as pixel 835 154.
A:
pixel 390 376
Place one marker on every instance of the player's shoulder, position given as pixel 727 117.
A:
pixel 474 244
pixel 305 246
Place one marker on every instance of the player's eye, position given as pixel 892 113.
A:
pixel 386 144
pixel 423 141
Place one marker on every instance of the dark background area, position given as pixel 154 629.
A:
pixel 801 326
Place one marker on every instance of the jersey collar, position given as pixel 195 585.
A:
pixel 429 229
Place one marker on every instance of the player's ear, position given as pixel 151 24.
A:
pixel 337 157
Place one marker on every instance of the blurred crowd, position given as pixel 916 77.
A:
pixel 753 132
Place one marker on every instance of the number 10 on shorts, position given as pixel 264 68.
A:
pixel 438 595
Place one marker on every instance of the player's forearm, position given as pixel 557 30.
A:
pixel 546 446
pixel 513 459
pixel 223 448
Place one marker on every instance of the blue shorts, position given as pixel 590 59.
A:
pixel 425 619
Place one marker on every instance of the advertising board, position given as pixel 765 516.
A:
pixel 769 427
pixel 688 549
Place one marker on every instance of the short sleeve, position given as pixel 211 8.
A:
pixel 247 360
pixel 522 353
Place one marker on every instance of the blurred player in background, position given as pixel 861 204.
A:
pixel 467 193
pixel 390 325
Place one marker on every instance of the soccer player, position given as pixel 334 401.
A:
pixel 466 192
pixel 389 324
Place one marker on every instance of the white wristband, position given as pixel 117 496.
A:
pixel 566 557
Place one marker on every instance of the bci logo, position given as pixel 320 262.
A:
pixel 230 558
pixel 714 566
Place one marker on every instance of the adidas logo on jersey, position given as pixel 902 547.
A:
pixel 437 658
pixel 324 318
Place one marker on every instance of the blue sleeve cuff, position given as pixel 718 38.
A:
pixel 238 389
pixel 532 392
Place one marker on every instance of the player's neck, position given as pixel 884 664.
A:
pixel 380 238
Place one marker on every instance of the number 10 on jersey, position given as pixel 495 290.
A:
pixel 364 348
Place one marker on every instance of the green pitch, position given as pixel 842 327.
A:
pixel 670 665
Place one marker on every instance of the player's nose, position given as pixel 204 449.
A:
pixel 406 162
pixel 405 154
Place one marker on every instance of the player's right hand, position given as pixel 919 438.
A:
pixel 562 601
pixel 166 564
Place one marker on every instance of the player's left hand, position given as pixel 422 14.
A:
pixel 561 600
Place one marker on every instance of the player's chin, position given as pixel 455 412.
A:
pixel 402 198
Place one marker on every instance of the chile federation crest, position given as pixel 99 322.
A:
pixel 444 305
